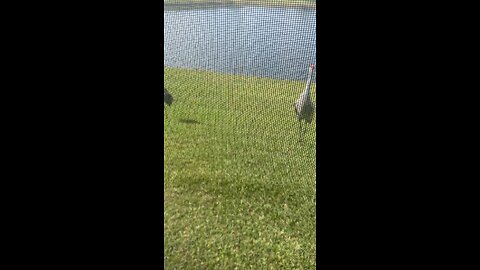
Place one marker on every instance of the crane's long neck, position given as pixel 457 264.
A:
pixel 306 92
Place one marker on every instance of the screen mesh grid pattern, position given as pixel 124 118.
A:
pixel 240 94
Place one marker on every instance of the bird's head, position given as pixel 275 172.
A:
pixel 312 67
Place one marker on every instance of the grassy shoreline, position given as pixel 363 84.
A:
pixel 239 190
pixel 278 3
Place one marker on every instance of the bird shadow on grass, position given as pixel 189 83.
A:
pixel 189 121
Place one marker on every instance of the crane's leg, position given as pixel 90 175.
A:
pixel 300 130
pixel 305 130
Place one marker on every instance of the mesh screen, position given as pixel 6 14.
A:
pixel 239 134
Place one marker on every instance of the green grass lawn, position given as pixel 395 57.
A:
pixel 239 187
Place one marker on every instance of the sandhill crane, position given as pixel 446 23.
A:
pixel 167 98
pixel 304 106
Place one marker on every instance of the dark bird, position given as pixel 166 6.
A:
pixel 304 107
pixel 167 97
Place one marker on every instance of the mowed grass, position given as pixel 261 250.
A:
pixel 239 190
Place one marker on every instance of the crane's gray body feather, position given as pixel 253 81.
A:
pixel 167 97
pixel 304 107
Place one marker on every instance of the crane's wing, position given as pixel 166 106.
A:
pixel 167 97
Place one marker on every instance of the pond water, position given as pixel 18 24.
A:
pixel 275 42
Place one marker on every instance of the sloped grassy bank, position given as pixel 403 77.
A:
pixel 239 189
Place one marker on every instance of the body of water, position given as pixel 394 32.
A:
pixel 275 42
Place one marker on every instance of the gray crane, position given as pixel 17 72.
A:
pixel 167 97
pixel 304 106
